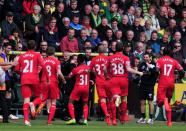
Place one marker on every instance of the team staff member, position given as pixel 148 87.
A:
pixel 146 89
pixel 4 66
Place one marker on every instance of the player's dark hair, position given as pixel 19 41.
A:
pixel 119 47
pixel 50 51
pixel 31 44
pixel 167 51
pixel 101 49
pixel 81 58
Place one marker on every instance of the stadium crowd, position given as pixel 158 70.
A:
pixel 144 27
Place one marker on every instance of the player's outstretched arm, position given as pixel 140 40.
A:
pixel 129 69
pixel 61 75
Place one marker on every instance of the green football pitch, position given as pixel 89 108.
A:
pixel 58 125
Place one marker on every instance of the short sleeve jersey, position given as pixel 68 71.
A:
pixel 117 65
pixel 97 65
pixel 28 64
pixel 82 75
pixel 167 66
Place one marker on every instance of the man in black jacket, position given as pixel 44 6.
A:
pixel 146 90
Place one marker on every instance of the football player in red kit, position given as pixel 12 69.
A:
pixel 167 66
pixel 97 65
pixel 80 90
pixel 52 91
pixel 28 64
pixel 118 67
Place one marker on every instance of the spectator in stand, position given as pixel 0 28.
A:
pixel 163 17
pixel 182 28
pixel 19 47
pixel 43 46
pixel 76 25
pixel 73 10
pixel 64 27
pixel 8 25
pixel 15 6
pixel 138 14
pixel 178 7
pixel 172 14
pixel 112 47
pixel 143 39
pixel 119 36
pixel 130 15
pixel 87 11
pixel 152 17
pixel 130 40
pixel 127 51
pixel 137 29
pixel 102 28
pixel 183 15
pixel 139 51
pixel 46 14
pixel 148 29
pixel 114 14
pixel 53 4
pixel 16 38
pixel 81 39
pixel 114 25
pixel 28 6
pixel 177 53
pixel 172 27
pixel 95 18
pixel 86 25
pixel 50 34
pixel 124 25
pixel 42 4
pixel 34 24
pixel 59 14
pixel 109 36
pixel 154 43
pixel 105 46
pixel 95 40
pixel 69 43
pixel 145 5
pixel 165 40
pixel 176 39
pixel 166 4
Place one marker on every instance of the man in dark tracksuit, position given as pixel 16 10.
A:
pixel 146 90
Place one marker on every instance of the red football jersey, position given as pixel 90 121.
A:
pixel 97 65
pixel 167 66
pixel 51 64
pixel 28 64
pixel 82 75
pixel 117 65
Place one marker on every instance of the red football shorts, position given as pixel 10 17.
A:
pixel 80 92
pixel 118 86
pixel 28 90
pixel 101 89
pixel 164 91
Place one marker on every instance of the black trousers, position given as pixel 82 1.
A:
pixel 4 106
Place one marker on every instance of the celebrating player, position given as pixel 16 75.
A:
pixel 119 66
pixel 81 89
pixel 28 64
pixel 167 66
pixel 97 65
pixel 51 90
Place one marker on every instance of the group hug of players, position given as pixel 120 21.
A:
pixel 111 82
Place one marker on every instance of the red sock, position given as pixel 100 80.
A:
pixel 85 111
pixel 113 109
pixel 37 101
pixel 52 113
pixel 109 109
pixel 169 114
pixel 104 108
pixel 123 109
pixel 71 110
pixel 26 111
